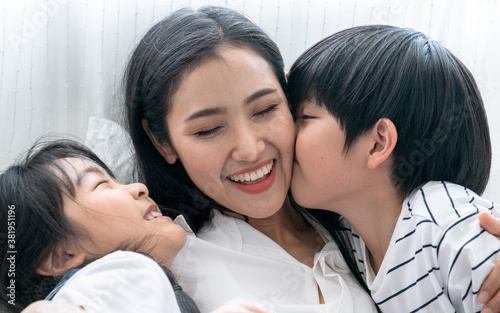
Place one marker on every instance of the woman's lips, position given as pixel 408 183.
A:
pixel 253 174
pixel 256 181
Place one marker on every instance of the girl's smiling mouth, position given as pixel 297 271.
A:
pixel 152 213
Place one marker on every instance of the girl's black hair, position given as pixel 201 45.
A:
pixel 169 50
pixel 365 73
pixel 35 191
pixel 31 211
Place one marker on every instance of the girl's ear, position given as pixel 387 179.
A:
pixel 63 258
pixel 384 137
pixel 165 149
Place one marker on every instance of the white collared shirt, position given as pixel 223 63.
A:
pixel 121 282
pixel 230 259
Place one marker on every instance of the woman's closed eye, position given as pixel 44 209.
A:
pixel 213 131
pixel 206 133
pixel 267 111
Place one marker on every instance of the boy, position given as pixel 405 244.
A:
pixel 392 134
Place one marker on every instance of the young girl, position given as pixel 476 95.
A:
pixel 392 134
pixel 65 218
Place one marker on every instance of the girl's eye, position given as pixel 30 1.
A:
pixel 102 182
pixel 206 133
pixel 267 111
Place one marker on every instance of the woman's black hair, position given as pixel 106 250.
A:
pixel 186 304
pixel 169 50
pixel 33 220
pixel 365 73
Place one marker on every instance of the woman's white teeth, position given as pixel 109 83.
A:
pixel 252 176
pixel 152 215
pixel 260 174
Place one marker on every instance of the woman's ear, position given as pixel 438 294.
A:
pixel 64 257
pixel 384 137
pixel 165 149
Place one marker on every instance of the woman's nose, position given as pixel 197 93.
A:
pixel 137 190
pixel 248 144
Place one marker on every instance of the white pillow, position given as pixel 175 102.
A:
pixel 113 145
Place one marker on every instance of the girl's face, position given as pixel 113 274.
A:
pixel 323 176
pixel 110 215
pixel 231 128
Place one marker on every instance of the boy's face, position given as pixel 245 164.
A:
pixel 323 176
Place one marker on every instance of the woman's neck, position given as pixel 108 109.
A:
pixel 290 230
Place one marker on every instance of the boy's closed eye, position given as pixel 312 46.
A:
pixel 305 117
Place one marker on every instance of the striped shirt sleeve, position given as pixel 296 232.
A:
pixel 438 256
pixel 466 254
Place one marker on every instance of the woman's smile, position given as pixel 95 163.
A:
pixel 253 174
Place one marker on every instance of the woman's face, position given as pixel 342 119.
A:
pixel 231 128
pixel 111 214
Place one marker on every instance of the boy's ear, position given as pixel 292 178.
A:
pixel 165 149
pixel 383 137
pixel 63 258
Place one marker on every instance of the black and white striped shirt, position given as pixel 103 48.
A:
pixel 438 256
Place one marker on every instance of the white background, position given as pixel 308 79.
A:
pixel 61 61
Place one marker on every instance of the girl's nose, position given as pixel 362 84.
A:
pixel 137 190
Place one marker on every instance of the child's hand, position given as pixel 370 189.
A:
pixel 239 306
pixel 490 290
pixel 51 307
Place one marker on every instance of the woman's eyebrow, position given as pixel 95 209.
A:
pixel 258 94
pixel 88 170
pixel 206 112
